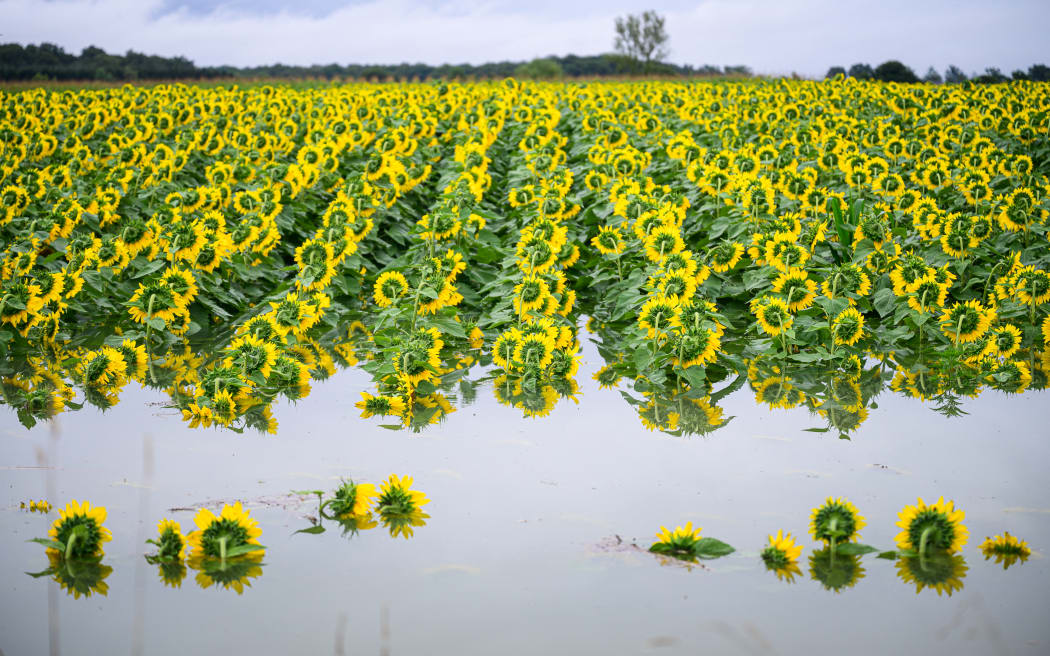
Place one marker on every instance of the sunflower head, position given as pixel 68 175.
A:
pixel 680 543
pixel 837 520
pixel 782 552
pixel 396 497
pixel 79 531
pixel 226 535
pixel 351 500
pixel 935 527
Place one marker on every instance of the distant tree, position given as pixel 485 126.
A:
pixel 741 71
pixel 861 71
pixel 1019 75
pixel 932 76
pixel 540 69
pixel 954 75
pixel 833 71
pixel 642 38
pixel 1039 73
pixel 894 71
pixel 991 75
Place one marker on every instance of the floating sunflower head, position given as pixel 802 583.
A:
pixel 781 555
pixel 679 543
pixel 1006 549
pixel 170 543
pixel 78 532
pixel 837 520
pixel 351 500
pixel 943 572
pixel 396 497
pixel 937 527
pixel 230 534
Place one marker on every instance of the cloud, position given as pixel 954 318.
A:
pixel 771 36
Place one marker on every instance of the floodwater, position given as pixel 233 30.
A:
pixel 528 547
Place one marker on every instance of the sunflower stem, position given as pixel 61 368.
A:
pixel 923 539
pixel 149 333
pixel 222 550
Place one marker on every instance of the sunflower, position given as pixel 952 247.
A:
pixel 848 327
pixel 531 293
pixel 504 348
pixel 659 314
pixel 772 314
pixel 170 543
pixel 1006 549
pixel 937 527
pixel 725 256
pixel 227 535
pixel 781 555
pixel 397 498
pixel 697 347
pixel 351 500
pixel 928 295
pixel 966 322
pixel 78 532
pixel 680 543
pixel 797 287
pixel 837 520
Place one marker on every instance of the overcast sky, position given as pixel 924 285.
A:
pixel 770 36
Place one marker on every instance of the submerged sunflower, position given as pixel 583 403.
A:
pixel 935 527
pixel 680 543
pixel 397 498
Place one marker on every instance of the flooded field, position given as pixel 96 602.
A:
pixel 538 530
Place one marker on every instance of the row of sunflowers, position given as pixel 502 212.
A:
pixel 819 242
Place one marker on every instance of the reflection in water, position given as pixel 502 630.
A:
pixel 228 573
pixel 172 573
pixel 78 577
pixel 834 570
pixel 402 524
pixel 938 571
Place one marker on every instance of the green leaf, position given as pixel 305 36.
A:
pixel 156 323
pixel 854 549
pixel 884 301
pixel 711 548
pixel 50 544
pixel 313 530
pixel 888 555
pixel 244 549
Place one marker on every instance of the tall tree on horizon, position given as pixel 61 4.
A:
pixel 642 38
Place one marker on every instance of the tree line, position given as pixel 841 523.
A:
pixel 895 71
pixel 51 62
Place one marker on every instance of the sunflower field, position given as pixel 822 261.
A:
pixel 820 242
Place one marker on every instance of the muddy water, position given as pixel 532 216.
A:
pixel 530 544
